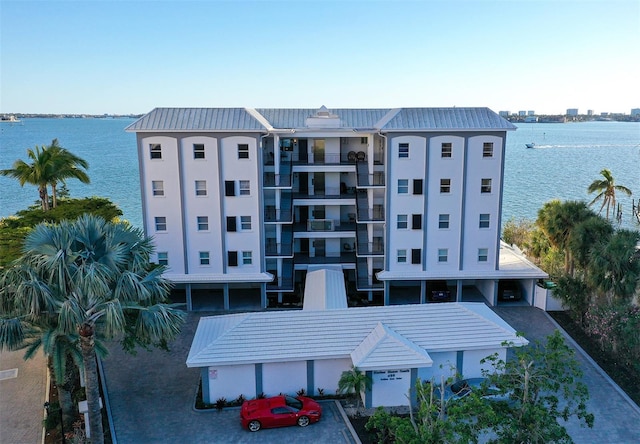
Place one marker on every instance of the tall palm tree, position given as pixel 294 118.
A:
pixel 37 172
pixel 49 165
pixel 94 277
pixel 65 165
pixel 606 189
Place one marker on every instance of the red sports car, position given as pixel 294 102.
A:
pixel 279 411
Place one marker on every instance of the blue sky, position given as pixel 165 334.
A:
pixel 99 56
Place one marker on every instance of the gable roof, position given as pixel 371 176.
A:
pixel 384 349
pixel 324 289
pixel 282 336
pixel 262 120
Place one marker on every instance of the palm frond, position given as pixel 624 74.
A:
pixel 12 334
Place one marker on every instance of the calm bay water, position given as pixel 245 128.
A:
pixel 567 158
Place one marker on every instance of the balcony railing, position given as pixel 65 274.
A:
pixel 273 249
pixel 366 281
pixel 273 215
pixel 344 258
pixel 368 180
pixel 272 180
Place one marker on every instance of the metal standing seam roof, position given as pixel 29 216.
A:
pixel 196 119
pixel 301 335
pixel 266 119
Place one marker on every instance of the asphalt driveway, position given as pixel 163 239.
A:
pixel 152 396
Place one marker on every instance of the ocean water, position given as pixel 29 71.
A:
pixel 567 158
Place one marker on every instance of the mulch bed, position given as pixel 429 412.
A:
pixel 627 378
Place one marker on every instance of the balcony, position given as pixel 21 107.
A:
pixel 325 193
pixel 271 215
pixel 366 180
pixel 282 283
pixel 305 258
pixel 273 180
pixel 364 213
pixel 364 248
pixel 273 249
pixel 366 281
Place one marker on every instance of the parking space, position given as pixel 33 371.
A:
pixel 152 395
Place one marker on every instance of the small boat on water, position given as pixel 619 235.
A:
pixel 9 119
pixel 530 145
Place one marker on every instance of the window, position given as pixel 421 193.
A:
pixel 486 186
pixel 445 185
pixel 245 188
pixel 232 258
pixel 247 258
pixel 204 258
pixel 243 151
pixel 163 258
pixel 364 140
pixel 446 150
pixel 416 221
pixel 417 186
pixel 158 187
pixel 201 187
pixel 443 221
pixel 403 150
pixel 203 223
pixel 155 149
pixel 487 149
pixel 245 222
pixel 443 254
pixel 402 256
pixel 161 223
pixel 402 221
pixel 229 188
pixel 483 254
pixel 485 220
pixel 416 255
pixel 231 223
pixel 403 186
pixel 198 150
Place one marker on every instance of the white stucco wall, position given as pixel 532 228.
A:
pixel 410 168
pixel 444 364
pixel 242 169
pixel 206 169
pixel 166 170
pixel 390 388
pixel 476 203
pixel 231 381
pixel 471 367
pixel 327 373
pixel 284 377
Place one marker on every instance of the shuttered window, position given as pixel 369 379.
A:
pixel 232 258
pixel 231 223
pixel 229 188
pixel 416 255
pixel 416 221
pixel 417 186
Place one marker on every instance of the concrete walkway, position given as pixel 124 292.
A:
pixel 22 396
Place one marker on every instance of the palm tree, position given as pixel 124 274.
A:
pixel 354 381
pixel 606 189
pixel 49 165
pixel 558 220
pixel 95 279
pixel 65 165
pixel 38 173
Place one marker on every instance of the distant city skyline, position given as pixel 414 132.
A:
pixel 128 57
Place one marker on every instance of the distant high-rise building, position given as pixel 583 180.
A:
pixel 572 111
pixel 635 111
pixel 531 113
pixel 522 113
pixel 589 112
pixel 504 113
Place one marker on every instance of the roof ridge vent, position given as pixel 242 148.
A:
pixel 323 118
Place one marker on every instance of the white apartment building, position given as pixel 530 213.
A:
pixel 243 202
